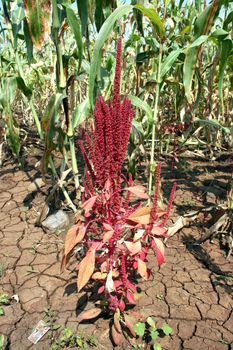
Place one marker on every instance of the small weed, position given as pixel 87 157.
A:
pixel 147 333
pixel 2 268
pixel 31 270
pixel 1 342
pixel 69 340
pixel 4 300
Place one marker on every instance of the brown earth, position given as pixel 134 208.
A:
pixel 192 291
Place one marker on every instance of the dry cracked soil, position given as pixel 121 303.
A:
pixel 192 291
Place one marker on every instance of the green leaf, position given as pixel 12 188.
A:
pixel 214 123
pixel 199 41
pixel 103 35
pixel 157 347
pixel 4 299
pixel 38 16
pixel 166 329
pixel 2 313
pixel 151 322
pixel 28 40
pixel 154 18
pixel 1 341
pixel 139 328
pixel 137 102
pixel 23 87
pixel 154 334
pixel 75 27
pixel 201 28
pixel 168 62
pixel 48 125
pixel 226 47
pixel 80 113
pixel 83 14
pixel 99 15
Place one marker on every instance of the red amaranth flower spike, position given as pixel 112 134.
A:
pixel 171 198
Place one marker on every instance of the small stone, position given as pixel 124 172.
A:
pixel 56 222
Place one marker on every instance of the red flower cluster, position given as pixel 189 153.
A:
pixel 110 135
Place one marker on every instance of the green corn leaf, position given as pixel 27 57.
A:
pixel 75 27
pixel 99 15
pixel 28 41
pixel 137 102
pixel 38 16
pixel 214 123
pixel 199 41
pixel 80 113
pixel 48 124
pixel 226 47
pixel 102 36
pixel 168 62
pixel 154 18
pixel 202 26
pixel 83 14
pixel 23 87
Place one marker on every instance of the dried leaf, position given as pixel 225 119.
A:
pixel 116 336
pixel 99 276
pixel 116 320
pixel 142 215
pixel 107 236
pixel 107 227
pixel 158 231
pixel 109 283
pixel 133 247
pixel 139 191
pixel 38 16
pixel 138 235
pixel 142 269
pixel 86 269
pixel 89 314
pixel 74 235
pixel 130 321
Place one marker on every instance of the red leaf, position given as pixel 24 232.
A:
pixel 133 247
pixel 130 297
pixel 101 290
pixel 116 336
pixel 88 205
pixel 89 314
pixel 158 248
pixel 121 305
pixel 139 191
pixel 142 269
pixel 86 269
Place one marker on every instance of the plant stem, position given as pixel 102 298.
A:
pixel 155 119
pixel 74 163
